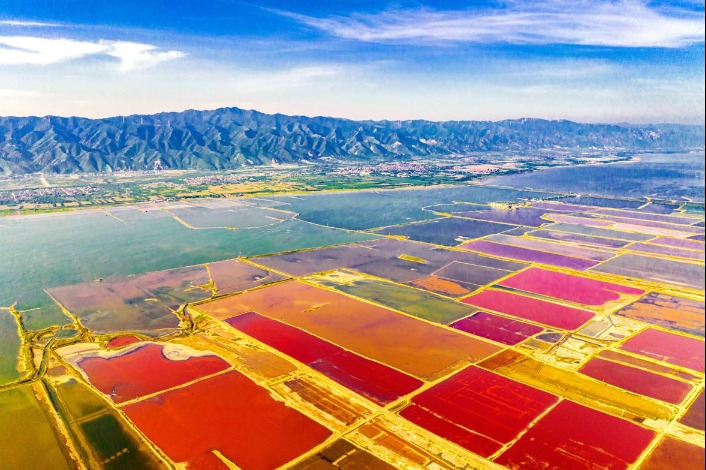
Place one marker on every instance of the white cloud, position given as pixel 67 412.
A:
pixel 18 50
pixel 621 23
pixel 27 24
pixel 134 55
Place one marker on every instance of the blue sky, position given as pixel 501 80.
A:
pixel 585 60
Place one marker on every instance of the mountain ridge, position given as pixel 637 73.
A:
pixel 227 138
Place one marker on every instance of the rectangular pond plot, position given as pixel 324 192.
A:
pixel 528 255
pixel 342 455
pixel 26 436
pixel 694 416
pixel 424 350
pixel 398 253
pixel 574 436
pixel 642 363
pixel 658 250
pixel 674 313
pixel 472 273
pixel 302 263
pixel 562 286
pixel 443 286
pixel 235 276
pixel 679 243
pixel 103 437
pixel 661 270
pixel 673 454
pixel 552 247
pixel 637 380
pixel 579 220
pixel 412 301
pixel 10 348
pixel 540 311
pixel 669 347
pixel 697 237
pixel 478 410
pixel 527 216
pixel 173 287
pixel 647 216
pixel 396 269
pixel 148 369
pixel 650 226
pixel 497 328
pixel 334 405
pixel 115 307
pixel 373 380
pixel 141 303
pixel 449 231
pixel 585 240
pixel 648 229
pixel 599 232
pixel 230 414
pixel 576 387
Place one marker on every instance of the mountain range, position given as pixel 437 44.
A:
pixel 229 138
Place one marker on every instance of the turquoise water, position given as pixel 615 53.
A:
pixel 42 251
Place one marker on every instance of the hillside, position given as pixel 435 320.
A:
pixel 231 137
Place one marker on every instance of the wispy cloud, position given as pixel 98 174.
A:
pixel 620 23
pixel 134 55
pixel 19 50
pixel 28 24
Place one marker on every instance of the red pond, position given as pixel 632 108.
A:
pixel 124 340
pixel 536 310
pixel 669 347
pixel 637 380
pixel 478 410
pixel 228 413
pixel 144 371
pixel 371 379
pixel 573 436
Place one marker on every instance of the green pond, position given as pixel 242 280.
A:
pixel 10 344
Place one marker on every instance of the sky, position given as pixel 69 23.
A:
pixel 633 61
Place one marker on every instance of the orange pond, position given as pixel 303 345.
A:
pixel 424 350
pixel 674 313
pixel 673 454
pixel 228 413
pixel 145 370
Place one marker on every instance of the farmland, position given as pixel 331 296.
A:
pixel 467 326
